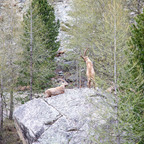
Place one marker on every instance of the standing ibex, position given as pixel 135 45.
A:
pixel 90 70
pixel 57 90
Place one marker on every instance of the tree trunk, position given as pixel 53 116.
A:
pixel 77 73
pixel 115 74
pixel 11 68
pixel 1 118
pixel 0 114
pixel 80 83
pixel 11 105
pixel 1 106
pixel 31 56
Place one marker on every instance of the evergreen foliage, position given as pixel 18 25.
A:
pixel 136 68
pixel 46 13
pixel 137 51
pixel 45 45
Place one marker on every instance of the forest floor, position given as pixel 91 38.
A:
pixel 9 134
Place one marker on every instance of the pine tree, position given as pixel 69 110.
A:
pixel 136 68
pixel 39 22
pixel 46 12
pixel 136 48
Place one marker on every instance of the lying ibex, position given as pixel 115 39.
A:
pixel 23 88
pixel 90 70
pixel 60 53
pixel 57 90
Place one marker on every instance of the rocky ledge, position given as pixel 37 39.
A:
pixel 62 119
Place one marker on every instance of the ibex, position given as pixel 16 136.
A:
pixel 57 90
pixel 90 73
pixel 60 53
pixel 23 88
pixel 110 89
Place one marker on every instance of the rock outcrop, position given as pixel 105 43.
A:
pixel 62 119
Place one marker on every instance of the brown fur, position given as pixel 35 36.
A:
pixel 90 73
pixel 60 53
pixel 56 91
pixel 23 88
pixel 110 89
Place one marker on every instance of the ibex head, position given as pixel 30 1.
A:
pixel 63 82
pixel 85 57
